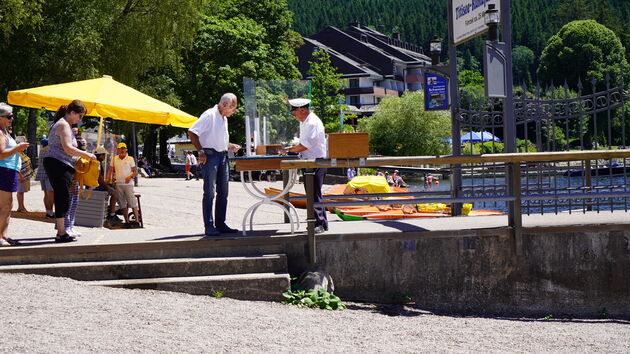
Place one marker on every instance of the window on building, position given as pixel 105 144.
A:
pixel 378 100
pixel 354 100
pixel 353 83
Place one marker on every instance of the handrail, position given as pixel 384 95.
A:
pixel 458 160
pixel 513 196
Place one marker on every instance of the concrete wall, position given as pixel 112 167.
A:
pixel 564 272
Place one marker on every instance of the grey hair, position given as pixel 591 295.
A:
pixel 5 108
pixel 228 98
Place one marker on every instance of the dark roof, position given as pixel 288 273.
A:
pixel 344 64
pixel 360 51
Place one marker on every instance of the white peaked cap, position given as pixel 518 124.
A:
pixel 299 102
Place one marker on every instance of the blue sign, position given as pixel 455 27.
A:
pixel 435 92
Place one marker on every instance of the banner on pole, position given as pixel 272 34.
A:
pixel 467 18
pixel 435 92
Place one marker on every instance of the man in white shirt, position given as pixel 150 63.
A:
pixel 210 137
pixel 312 145
pixel 125 168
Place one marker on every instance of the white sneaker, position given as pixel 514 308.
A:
pixel 72 232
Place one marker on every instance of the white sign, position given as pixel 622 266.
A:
pixel 468 19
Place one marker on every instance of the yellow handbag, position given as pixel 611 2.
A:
pixel 86 172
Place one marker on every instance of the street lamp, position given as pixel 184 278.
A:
pixel 492 19
pixel 436 49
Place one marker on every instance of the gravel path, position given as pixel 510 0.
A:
pixel 44 314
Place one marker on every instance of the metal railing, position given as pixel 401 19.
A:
pixel 517 194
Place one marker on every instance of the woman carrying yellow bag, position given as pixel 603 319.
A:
pixel 59 164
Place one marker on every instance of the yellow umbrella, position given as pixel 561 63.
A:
pixel 103 97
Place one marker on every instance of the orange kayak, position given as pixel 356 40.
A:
pixel 359 211
pixel 481 212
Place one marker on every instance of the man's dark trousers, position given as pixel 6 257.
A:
pixel 318 182
pixel 216 175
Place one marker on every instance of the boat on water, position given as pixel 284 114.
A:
pixel 613 169
pixel 373 213
pixel 381 210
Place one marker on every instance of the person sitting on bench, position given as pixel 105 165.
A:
pixel 101 154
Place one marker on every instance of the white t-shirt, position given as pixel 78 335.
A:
pixel 313 137
pixel 193 160
pixel 188 160
pixel 123 168
pixel 212 130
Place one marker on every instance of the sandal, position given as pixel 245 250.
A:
pixel 13 242
pixel 65 238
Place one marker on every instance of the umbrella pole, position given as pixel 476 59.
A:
pixel 135 151
pixel 100 132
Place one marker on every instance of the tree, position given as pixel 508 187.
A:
pixel 401 127
pixel 326 87
pixel 571 10
pixel 83 39
pixel 522 61
pixel 15 13
pixel 238 39
pixel 581 50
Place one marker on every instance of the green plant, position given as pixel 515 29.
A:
pixel 603 313
pixel 400 298
pixel 313 298
pixel 368 171
pixel 218 293
pixel 548 317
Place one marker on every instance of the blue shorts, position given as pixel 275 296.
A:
pixel 9 180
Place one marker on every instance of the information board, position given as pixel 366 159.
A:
pixel 435 92
pixel 467 16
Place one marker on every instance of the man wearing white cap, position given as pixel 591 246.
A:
pixel 312 145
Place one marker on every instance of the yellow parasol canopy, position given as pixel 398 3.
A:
pixel 104 97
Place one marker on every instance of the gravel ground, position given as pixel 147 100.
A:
pixel 44 314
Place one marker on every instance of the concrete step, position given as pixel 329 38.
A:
pixel 154 268
pixel 257 286
pixel 227 247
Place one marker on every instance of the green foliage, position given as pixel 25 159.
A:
pixel 314 299
pixel 16 13
pixel 547 318
pixel 20 125
pixel 218 293
pixel 326 87
pixel 533 21
pixel 525 146
pixel 581 50
pixel 401 127
pixel 471 78
pixel 523 60
pixel 238 39
pixel 487 147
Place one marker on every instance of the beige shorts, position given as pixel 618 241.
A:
pixel 126 196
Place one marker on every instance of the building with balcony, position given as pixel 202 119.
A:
pixel 373 64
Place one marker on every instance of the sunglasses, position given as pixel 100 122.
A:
pixel 8 116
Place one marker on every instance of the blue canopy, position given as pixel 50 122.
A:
pixel 479 137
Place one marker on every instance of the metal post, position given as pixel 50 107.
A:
pixel 515 217
pixel 134 143
pixel 588 183
pixel 285 181
pixel 309 182
pixel 456 172
pixel 509 126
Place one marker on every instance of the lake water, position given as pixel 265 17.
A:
pixel 545 185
